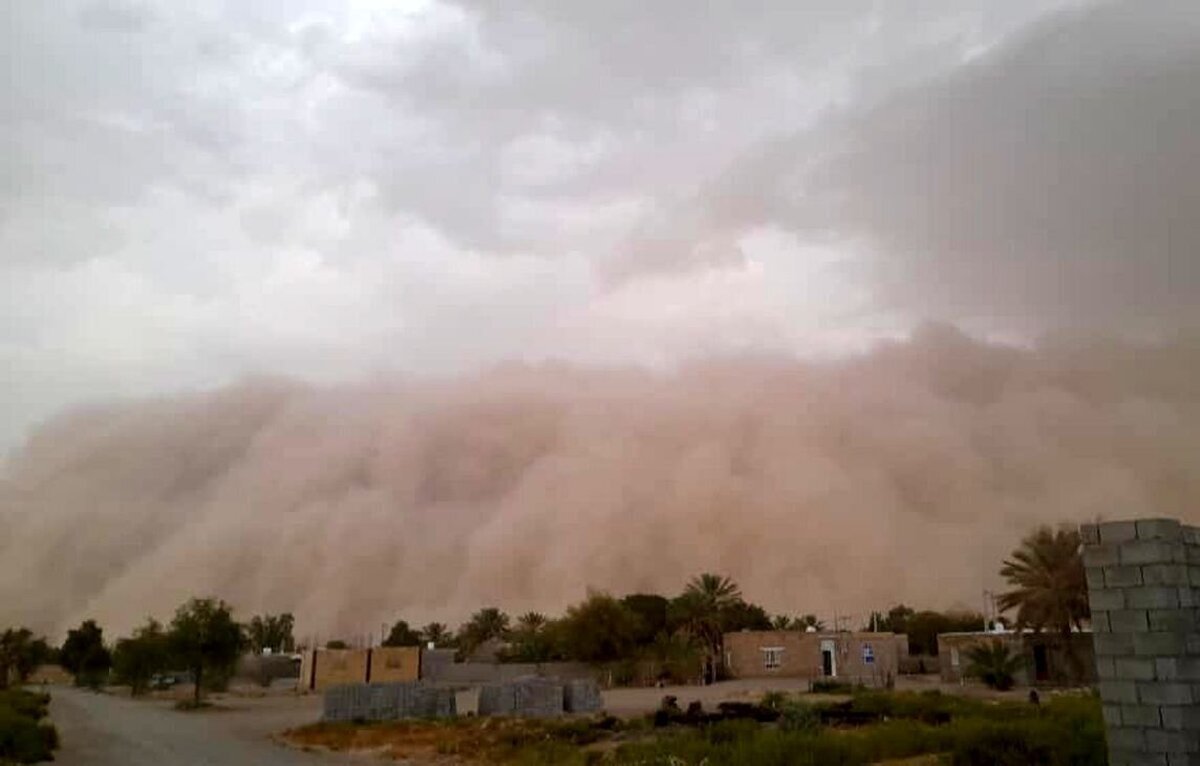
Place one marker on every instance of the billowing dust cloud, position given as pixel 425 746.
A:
pixel 902 475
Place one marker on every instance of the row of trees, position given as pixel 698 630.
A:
pixel 673 633
pixel 203 639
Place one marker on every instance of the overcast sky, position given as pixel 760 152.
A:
pixel 332 189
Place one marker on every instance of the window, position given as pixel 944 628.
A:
pixel 772 657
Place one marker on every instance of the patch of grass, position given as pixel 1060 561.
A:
pixel 1065 731
pixel 24 736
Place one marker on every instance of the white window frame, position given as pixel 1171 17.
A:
pixel 772 657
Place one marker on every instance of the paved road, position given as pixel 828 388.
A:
pixel 105 730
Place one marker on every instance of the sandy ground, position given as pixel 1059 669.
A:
pixel 113 730
pixel 109 730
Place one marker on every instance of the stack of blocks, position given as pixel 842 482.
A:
pixel 1144 589
pixel 387 702
pixel 526 697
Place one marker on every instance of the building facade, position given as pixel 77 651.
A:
pixel 1050 659
pixel 872 659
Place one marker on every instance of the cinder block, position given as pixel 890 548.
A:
pixel 1100 622
pixel 1193 575
pixel 1140 715
pixel 1182 759
pixel 1105 668
pixel 1187 597
pixel 1117 531
pixel 1165 574
pixel 1109 598
pixel 1112 715
pixel 1152 552
pixel 1166 741
pixel 1176 620
pixel 1095 578
pixel 1118 692
pixel 1191 535
pixel 1152 597
pixel 1127 738
pixel 1128 621
pixel 1122 576
pixel 1110 644
pixel 1159 529
pixel 1167 669
pixel 1103 555
pixel 1164 693
pixel 1158 644
pixel 1089 534
pixel 1135 669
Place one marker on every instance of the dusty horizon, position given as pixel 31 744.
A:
pixel 903 474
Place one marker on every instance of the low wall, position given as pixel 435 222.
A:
pixel 324 668
pixel 475 673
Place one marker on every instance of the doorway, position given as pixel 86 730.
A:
pixel 1041 663
pixel 828 659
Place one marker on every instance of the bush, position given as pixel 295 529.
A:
pixel 23 739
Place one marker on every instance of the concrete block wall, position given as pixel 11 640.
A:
pixel 387 702
pixel 529 697
pixel 1143 581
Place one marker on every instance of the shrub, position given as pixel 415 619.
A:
pixel 22 738
pixel 994 664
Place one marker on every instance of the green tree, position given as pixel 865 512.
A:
pixel 402 635
pixel 742 615
pixel 599 629
pixel 534 639
pixel 270 631
pixel 1049 587
pixel 336 643
pixel 924 627
pixel 700 610
pixel 652 612
pixel 84 655
pixel 437 634
pixel 20 654
pixel 782 622
pixel 205 638
pixel 484 625
pixel 993 663
pixel 137 659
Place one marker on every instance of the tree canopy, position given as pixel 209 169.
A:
pixel 84 655
pixel 1047 575
pixel 205 638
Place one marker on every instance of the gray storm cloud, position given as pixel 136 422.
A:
pixel 1051 180
pixel 902 474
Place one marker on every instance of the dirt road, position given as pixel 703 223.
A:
pixel 106 730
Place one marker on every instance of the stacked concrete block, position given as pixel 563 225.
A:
pixel 582 695
pixel 527 697
pixel 387 702
pixel 1144 589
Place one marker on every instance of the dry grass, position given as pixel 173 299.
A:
pixel 484 740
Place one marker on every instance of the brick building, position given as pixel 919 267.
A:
pixel 1047 659
pixel 872 659
pixel 323 668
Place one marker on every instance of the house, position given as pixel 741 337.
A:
pixel 872 659
pixel 1050 658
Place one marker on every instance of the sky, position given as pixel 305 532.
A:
pixel 197 200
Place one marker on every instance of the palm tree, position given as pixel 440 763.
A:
pixel 994 664
pixel 531 622
pixel 484 625
pixel 1049 586
pixel 701 607
pixel 782 622
pixel 436 633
